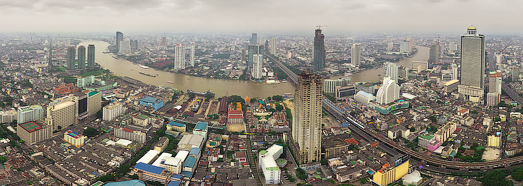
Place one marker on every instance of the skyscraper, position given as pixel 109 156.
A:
pixel 90 55
pixel 318 56
pixel 192 54
pixel 119 38
pixel 454 71
pixel 356 54
pixel 388 92
pixel 306 130
pixel 391 70
pixel 405 47
pixel 134 45
pixel 253 49
pixel 435 53
pixel 273 46
pixel 254 39
pixel 81 57
pixel 50 57
pixel 472 65
pixel 179 57
pixel 125 46
pixel 257 66
pixel 163 43
pixel 71 56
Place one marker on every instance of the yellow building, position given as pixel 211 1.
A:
pixel 61 115
pixel 74 138
pixel 494 140
pixel 388 174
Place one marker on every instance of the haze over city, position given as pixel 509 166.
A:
pixel 270 16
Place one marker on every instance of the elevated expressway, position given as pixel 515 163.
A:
pixel 359 128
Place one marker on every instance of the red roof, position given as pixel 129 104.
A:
pixel 235 117
pixel 127 130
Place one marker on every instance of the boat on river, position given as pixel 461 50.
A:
pixel 142 73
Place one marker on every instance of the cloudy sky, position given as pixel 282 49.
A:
pixel 181 16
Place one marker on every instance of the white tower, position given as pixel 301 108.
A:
pixel 257 66
pixel 356 54
pixel 192 55
pixel 179 57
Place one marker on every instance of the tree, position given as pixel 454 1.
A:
pixel 323 161
pixel 412 129
pixel 2 159
pixel 91 132
pixel 107 178
pixel 134 177
pixel 279 107
pixel 496 178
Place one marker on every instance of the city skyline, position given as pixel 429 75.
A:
pixel 233 15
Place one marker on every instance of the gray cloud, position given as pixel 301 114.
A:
pixel 260 15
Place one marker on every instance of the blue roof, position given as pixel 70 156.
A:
pixel 149 168
pixel 174 183
pixel 200 126
pixel 126 183
pixel 149 99
pixel 189 162
pixel 187 174
pixel 176 124
pixel 195 151
pixel 177 176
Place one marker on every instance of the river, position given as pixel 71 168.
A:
pixel 121 67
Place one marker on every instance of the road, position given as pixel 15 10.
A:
pixel 451 166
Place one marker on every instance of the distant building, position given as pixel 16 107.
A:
pixel 192 55
pixel 153 102
pixel 94 102
pixel 405 47
pixel 356 54
pixel 366 87
pixel 161 144
pixel 129 134
pixel 252 50
pixel 125 47
pixel 318 56
pixel 267 162
pixel 113 110
pixel 391 70
pixel 345 91
pixel 364 98
pixel 175 126
pixel 74 138
pixel 257 66
pixel 71 58
pixel 494 140
pixel 329 85
pixel 445 131
pixel 85 81
pixel 119 39
pixel 8 116
pixel 201 129
pixel 254 39
pixel 30 113
pixel 90 56
pixel 34 131
pixel 153 173
pixel 455 71
pixel 81 57
pixel 179 57
pixel 434 54
pixel 493 98
pixel 273 46
pixel 389 92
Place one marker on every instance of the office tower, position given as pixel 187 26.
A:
pixel 391 70
pixel 179 57
pixel 454 71
pixel 411 43
pixel 81 57
pixel 515 73
pixel 61 114
pixel 30 113
pixel 405 47
pixel 390 46
pixel 251 51
pixel 243 55
pixel 50 57
pixel 125 46
pixel 388 92
pixel 495 82
pixel 453 46
pixel 134 45
pixel 119 38
pixel 90 56
pixel 356 54
pixel 435 53
pixel 257 66
pixel 163 43
pixel 80 100
pixel 266 47
pixel 254 39
pixel 71 56
pixel 273 46
pixel 472 65
pixel 94 102
pixel 329 85
pixel 192 54
pixel 319 51
pixel 306 129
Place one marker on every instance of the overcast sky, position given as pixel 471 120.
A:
pixel 182 16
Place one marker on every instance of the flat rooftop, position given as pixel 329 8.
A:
pixel 31 126
pixel 63 105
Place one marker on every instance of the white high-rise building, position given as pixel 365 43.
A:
pixel 7 116
pixel 273 46
pixel 454 71
pixel 390 46
pixel 391 71
pixel 179 57
pixel 30 113
pixel 113 110
pixel 329 85
pixel 405 47
pixel 267 162
pixel 356 54
pixel 257 66
pixel 192 54
pixel 388 92
pixel 472 65
pixel 453 46
pixel 125 46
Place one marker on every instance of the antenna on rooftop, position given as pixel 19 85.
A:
pixel 319 26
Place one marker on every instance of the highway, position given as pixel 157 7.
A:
pixel 512 93
pixel 359 128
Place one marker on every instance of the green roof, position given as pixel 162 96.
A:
pixel 281 161
pixel 92 93
pixel 263 152
pixel 273 168
pixel 427 137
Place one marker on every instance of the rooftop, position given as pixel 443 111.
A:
pixel 149 99
pixel 189 162
pixel 126 183
pixel 149 168
pixel 176 124
pixel 200 126
pixel 92 93
pixel 31 126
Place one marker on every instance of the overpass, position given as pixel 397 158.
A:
pixel 359 128
pixel 512 93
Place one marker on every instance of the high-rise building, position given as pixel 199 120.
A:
pixel 453 46
pixel 71 56
pixel 391 70
pixel 80 100
pixel 472 65
pixel 388 92
pixel 81 57
pixel 273 46
pixel 329 85
pixel 454 71
pixel 34 131
pixel 163 43
pixel 252 50
pixel 192 54
pixel 90 56
pixel 50 57
pixel 61 114
pixel 30 113
pixel 119 38
pixel 435 53
pixel 179 57
pixel 405 47
pixel 134 45
pixel 125 46
pixel 8 116
pixel 306 130
pixel 254 39
pixel 495 82
pixel 257 66
pixel 356 54
pixel 112 111
pixel 318 55
pixel 390 46
pixel 94 102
